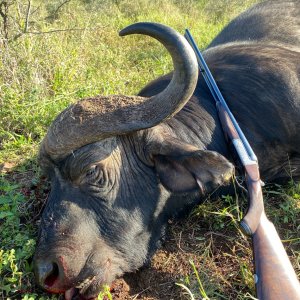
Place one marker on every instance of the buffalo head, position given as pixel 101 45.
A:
pixel 118 172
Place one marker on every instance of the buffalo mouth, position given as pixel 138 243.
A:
pixel 87 289
pixel 74 294
pixel 85 286
pixel 78 292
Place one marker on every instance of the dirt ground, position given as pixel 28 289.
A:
pixel 214 255
pixel 158 280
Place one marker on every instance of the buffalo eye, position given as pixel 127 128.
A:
pixel 92 173
pixel 95 175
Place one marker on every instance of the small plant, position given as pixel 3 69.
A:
pixel 17 244
pixel 200 285
pixel 288 200
pixel 105 294
pixel 222 212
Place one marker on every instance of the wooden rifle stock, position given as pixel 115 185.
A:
pixel 275 278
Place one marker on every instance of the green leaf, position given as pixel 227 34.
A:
pixel 5 214
pixel 5 200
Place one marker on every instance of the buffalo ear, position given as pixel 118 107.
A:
pixel 183 168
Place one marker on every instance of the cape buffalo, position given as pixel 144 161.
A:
pixel 120 166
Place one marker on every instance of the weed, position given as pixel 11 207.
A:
pixel 105 294
pixel 16 243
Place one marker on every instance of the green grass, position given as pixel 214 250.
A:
pixel 77 53
pixel 41 73
pixel 17 242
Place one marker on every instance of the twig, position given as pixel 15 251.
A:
pixel 27 16
pixel 55 13
pixel 4 14
pixel 55 30
pixel 186 289
pixel 50 31
pixel 45 32
pixel 218 234
pixel 139 293
pixel 179 242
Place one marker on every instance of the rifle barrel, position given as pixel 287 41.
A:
pixel 216 92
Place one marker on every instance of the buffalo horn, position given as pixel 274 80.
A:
pixel 93 119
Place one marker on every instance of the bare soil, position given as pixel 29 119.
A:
pixel 213 253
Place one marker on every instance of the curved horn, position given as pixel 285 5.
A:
pixel 96 118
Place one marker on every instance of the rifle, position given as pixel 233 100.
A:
pixel 275 278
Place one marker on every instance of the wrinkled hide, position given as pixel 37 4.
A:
pixel 124 165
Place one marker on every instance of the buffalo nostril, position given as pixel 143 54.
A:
pixel 47 273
